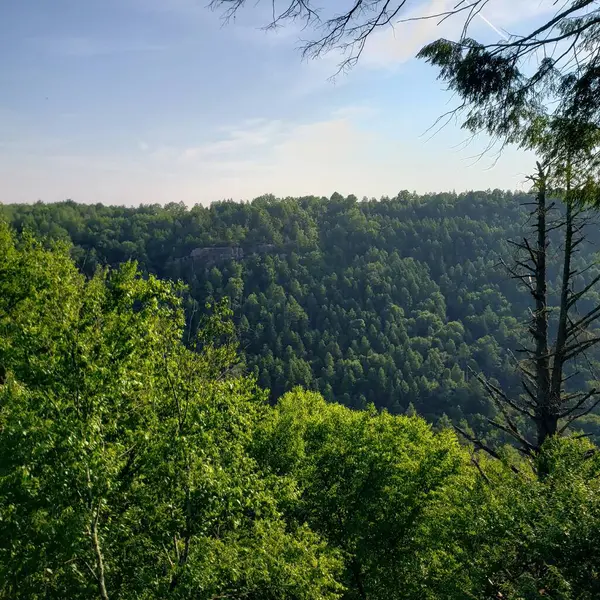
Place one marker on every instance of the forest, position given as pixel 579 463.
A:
pixel 398 302
pixel 322 398
pixel 140 459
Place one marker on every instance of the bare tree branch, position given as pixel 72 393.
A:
pixel 479 444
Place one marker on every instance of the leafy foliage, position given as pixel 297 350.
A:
pixel 124 471
pixel 133 465
pixel 369 484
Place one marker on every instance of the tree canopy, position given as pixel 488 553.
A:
pixel 125 471
pixel 390 302
pixel 138 461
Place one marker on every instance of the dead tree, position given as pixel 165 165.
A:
pixel 559 335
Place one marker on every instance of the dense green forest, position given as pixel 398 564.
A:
pixel 397 302
pixel 321 398
pixel 140 461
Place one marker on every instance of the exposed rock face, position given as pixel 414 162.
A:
pixel 217 254
pixel 211 256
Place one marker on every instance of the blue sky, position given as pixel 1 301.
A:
pixel 140 101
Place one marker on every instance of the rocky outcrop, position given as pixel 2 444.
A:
pixel 210 256
pixel 219 254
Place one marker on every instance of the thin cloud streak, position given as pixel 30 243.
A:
pixel 341 153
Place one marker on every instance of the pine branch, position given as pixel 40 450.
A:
pixel 498 392
pixel 576 349
pixel 584 321
pixel 583 413
pixel 575 297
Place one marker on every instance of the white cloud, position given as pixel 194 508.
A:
pixel 286 35
pixel 355 112
pixel 510 13
pixel 395 45
pixel 344 152
pixel 186 9
pixel 252 134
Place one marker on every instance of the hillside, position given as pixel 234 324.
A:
pixel 396 302
pixel 140 458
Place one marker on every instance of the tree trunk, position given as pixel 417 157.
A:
pixel 98 554
pixel 540 321
pixel 357 572
pixel 550 410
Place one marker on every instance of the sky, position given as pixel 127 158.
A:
pixel 144 101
